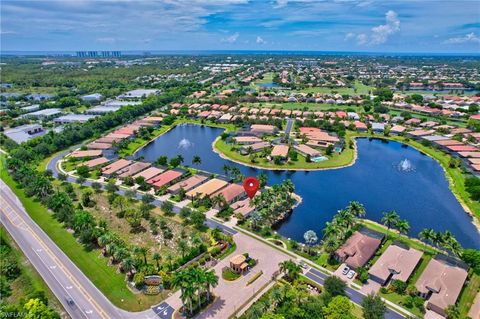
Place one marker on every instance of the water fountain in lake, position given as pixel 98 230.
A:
pixel 185 144
pixel 405 166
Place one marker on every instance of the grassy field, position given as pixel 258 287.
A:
pixel 96 269
pixel 468 295
pixel 359 88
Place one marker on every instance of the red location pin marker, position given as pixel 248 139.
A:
pixel 251 184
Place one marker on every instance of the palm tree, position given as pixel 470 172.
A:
pixel 142 251
pixel 427 235
pixel 347 218
pixel 180 158
pixel 290 269
pixel 331 229
pixel 182 247
pixel 128 266
pixel 390 219
pixel 196 160
pixel 403 227
pixel 330 246
pixel 211 280
pixel 156 256
pixel 356 208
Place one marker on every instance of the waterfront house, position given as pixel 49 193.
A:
pixel 396 263
pixel 441 283
pixel 133 169
pixel 149 173
pixel 165 179
pixel 358 249
pixel 280 151
pixel 208 188
pixel 231 193
pixel 188 184
pixel 306 150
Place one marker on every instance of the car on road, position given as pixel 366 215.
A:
pixel 302 264
pixel 345 270
pixel 351 274
pixel 70 301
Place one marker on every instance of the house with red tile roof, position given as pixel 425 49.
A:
pixel 165 179
pixel 231 193
pixel 358 249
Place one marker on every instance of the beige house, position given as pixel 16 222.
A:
pixel 441 283
pixel 238 264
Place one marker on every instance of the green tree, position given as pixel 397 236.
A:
pixel 335 286
pixel 339 307
pixel 373 307
pixel 390 219
pixel 36 309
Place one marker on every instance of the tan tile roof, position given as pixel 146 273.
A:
pixel 149 173
pixel 444 280
pixel 230 192
pixel 208 188
pixel 398 261
pixel 133 169
pixel 280 150
pixel 115 166
pixel 89 153
pixel 96 162
pixel 188 184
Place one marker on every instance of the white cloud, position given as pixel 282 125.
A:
pixel 380 34
pixel 362 39
pixel 231 39
pixel 470 37
pixel 260 40
pixel 349 35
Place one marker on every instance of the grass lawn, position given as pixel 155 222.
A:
pixel 361 89
pixel 229 275
pixel 468 295
pixel 96 269
pixel 399 300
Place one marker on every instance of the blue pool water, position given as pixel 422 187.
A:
pixel 419 194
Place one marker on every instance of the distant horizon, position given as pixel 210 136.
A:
pixel 300 25
pixel 238 52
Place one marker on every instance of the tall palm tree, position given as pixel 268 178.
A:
pixel 331 229
pixel 142 251
pixel 330 246
pixel 211 280
pixel 156 256
pixel 182 247
pixel 390 219
pixel 347 218
pixel 180 158
pixel 356 208
pixel 427 235
pixel 128 265
pixel 196 160
pixel 403 227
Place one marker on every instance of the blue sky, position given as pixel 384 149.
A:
pixel 338 25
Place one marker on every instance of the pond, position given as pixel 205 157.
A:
pixel 267 85
pixel 386 176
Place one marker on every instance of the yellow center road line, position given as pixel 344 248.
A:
pixel 56 260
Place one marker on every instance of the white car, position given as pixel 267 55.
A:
pixel 351 274
pixel 345 270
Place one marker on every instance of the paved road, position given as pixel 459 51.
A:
pixel 354 295
pixel 288 129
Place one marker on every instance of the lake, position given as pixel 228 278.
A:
pixel 417 190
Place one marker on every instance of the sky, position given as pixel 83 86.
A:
pixel 303 25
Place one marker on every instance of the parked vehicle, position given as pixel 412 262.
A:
pixel 351 274
pixel 345 270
